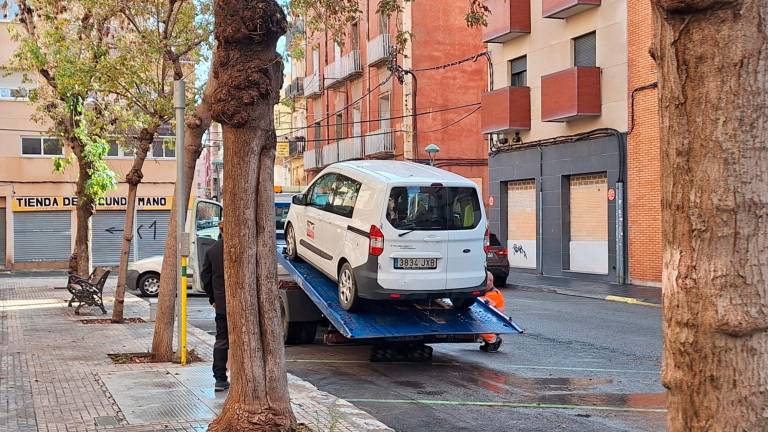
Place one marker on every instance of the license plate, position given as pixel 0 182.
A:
pixel 415 263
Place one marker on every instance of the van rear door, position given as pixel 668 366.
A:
pixel 466 256
pixel 415 240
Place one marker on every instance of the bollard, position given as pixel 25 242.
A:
pixel 152 309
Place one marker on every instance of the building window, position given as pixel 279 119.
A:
pixel 315 61
pixel 355 36
pixel 40 146
pixel 317 131
pixel 518 69
pixel 336 51
pixel 384 111
pixel 163 147
pixel 383 24
pixel 339 126
pixel 585 50
pixel 8 10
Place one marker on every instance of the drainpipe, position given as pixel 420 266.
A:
pixel 540 247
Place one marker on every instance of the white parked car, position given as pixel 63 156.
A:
pixel 392 230
pixel 144 276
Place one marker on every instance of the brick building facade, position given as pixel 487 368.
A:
pixel 643 150
pixel 356 109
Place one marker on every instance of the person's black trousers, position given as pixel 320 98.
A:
pixel 221 348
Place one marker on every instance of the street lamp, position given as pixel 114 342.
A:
pixel 432 150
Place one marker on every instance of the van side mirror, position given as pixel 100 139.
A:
pixel 299 199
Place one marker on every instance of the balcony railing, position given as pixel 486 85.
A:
pixel 566 8
pixel 571 94
pixel 378 50
pixel 506 109
pixel 295 88
pixel 345 67
pixel 313 85
pixel 351 148
pixel 508 19
pixel 330 154
pixel 296 146
pixel 380 142
pixel 313 159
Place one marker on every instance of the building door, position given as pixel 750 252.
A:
pixel 42 236
pixel 107 237
pixel 521 223
pixel 151 230
pixel 2 236
pixel 588 245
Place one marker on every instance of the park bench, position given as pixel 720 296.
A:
pixel 88 292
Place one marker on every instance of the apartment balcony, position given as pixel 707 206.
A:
pixel 313 85
pixel 506 109
pixel 330 154
pixel 295 88
pixel 562 9
pixel 313 159
pixel 571 94
pixel 345 67
pixel 380 143
pixel 379 50
pixel 296 146
pixel 508 19
pixel 351 148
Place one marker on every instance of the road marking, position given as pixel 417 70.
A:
pixel 506 404
pixel 460 364
pixel 630 300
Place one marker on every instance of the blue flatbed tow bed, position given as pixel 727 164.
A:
pixel 396 320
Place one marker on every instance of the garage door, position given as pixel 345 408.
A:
pixel 151 230
pixel 2 237
pixel 42 236
pixel 107 238
pixel 521 223
pixel 589 223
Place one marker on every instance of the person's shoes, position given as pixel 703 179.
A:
pixel 221 385
pixel 491 347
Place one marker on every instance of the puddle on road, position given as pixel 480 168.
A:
pixel 632 400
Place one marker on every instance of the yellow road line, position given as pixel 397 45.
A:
pixel 630 300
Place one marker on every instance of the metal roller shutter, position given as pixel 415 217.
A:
pixel 151 230
pixel 2 237
pixel 42 236
pixel 107 238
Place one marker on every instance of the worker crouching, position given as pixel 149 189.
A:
pixel 494 298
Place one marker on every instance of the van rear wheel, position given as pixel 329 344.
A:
pixel 348 288
pixel 463 303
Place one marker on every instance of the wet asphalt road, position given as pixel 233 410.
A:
pixel 581 365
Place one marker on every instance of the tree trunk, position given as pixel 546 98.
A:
pixel 196 125
pixel 84 210
pixel 133 178
pixel 249 75
pixel 713 92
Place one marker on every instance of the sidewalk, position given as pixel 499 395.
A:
pixel 633 294
pixel 55 374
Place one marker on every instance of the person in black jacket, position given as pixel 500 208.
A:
pixel 212 276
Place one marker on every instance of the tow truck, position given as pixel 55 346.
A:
pixel 396 329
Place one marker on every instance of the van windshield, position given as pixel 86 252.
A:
pixel 431 208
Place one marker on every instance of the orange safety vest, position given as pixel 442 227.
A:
pixel 495 298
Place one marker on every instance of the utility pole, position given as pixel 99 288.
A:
pixel 182 245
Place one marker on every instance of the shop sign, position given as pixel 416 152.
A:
pixel 49 203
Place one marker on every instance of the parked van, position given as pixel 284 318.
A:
pixel 392 230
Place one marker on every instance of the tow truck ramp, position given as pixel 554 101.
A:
pixel 397 321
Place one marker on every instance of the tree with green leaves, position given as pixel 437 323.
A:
pixel 64 43
pixel 145 59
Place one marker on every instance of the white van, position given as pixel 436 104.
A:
pixel 392 230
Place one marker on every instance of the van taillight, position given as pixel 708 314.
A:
pixel 487 240
pixel 375 241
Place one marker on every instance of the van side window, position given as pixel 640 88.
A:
pixel 345 196
pixel 320 194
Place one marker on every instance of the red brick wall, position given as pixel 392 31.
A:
pixel 644 153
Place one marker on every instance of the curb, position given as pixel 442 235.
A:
pixel 575 293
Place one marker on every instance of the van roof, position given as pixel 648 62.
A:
pixel 391 171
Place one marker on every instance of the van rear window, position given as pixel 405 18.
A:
pixel 433 208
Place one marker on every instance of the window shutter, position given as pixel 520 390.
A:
pixel 585 50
